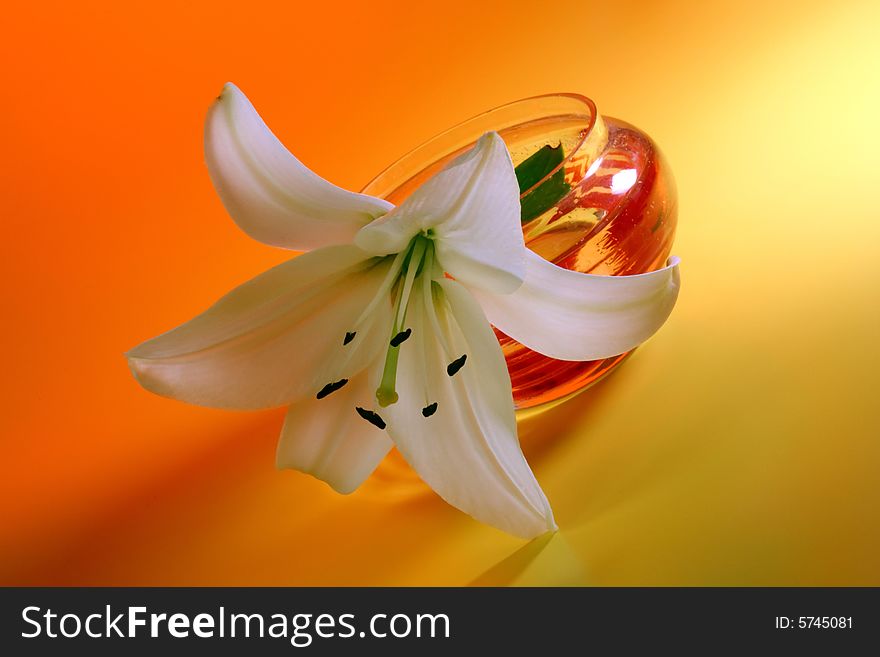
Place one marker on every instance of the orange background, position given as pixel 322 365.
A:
pixel 740 446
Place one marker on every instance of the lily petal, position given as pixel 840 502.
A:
pixel 573 316
pixel 327 439
pixel 269 193
pixel 472 207
pixel 467 449
pixel 274 339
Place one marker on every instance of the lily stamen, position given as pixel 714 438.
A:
pixel 400 338
pixel 384 290
pixel 371 417
pixel 428 288
pixel 457 364
pixel 419 245
pixel 331 388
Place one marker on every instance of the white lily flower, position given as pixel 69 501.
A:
pixel 380 334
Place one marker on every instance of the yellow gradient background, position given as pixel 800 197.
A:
pixel 739 446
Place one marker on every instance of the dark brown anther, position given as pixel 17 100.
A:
pixel 457 364
pixel 371 417
pixel 400 338
pixel 330 388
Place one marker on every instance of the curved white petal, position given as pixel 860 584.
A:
pixel 326 437
pixel 472 207
pixel 274 339
pixel 468 450
pixel 270 194
pixel 573 316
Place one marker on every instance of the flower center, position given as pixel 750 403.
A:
pixel 413 265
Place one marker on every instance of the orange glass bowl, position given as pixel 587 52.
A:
pixel 618 217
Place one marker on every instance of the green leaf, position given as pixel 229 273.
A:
pixel 538 165
pixel 532 170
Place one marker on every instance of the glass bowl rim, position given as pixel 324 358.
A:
pixel 591 118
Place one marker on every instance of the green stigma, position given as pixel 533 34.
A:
pixel 420 253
